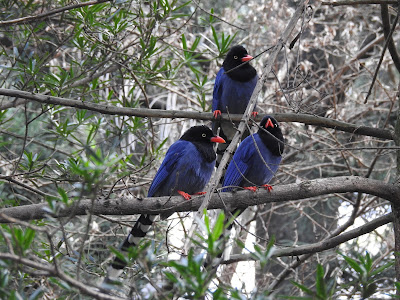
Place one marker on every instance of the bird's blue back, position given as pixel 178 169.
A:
pixel 247 164
pixel 183 168
pixel 232 94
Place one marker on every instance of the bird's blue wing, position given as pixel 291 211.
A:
pixel 239 167
pixel 174 153
pixel 235 174
pixel 217 92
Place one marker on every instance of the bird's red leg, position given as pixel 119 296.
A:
pixel 200 193
pixel 268 187
pixel 184 195
pixel 216 113
pixel 251 188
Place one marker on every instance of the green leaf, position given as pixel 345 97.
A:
pixel 28 238
pixel 218 227
pixel 119 254
pixel 215 36
pixel 60 283
pixel 63 194
pixel 320 283
pixel 381 269
pixel 353 264
pixel 303 288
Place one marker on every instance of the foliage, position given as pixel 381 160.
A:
pixel 365 283
pixel 165 55
pixel 324 288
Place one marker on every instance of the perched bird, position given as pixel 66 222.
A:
pixel 257 159
pixel 254 163
pixel 233 88
pixel 185 170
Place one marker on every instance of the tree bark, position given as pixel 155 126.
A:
pixel 395 205
pixel 196 115
pixel 242 199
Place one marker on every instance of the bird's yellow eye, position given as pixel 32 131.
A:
pixel 203 135
pixel 235 57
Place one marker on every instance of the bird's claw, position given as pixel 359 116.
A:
pixel 268 187
pixel 251 188
pixel 254 114
pixel 217 113
pixel 201 193
pixel 184 195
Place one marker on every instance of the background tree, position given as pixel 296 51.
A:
pixel 93 93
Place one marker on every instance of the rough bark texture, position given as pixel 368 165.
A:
pixel 395 205
pixel 157 205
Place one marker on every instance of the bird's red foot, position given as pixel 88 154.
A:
pixel 201 193
pixel 268 187
pixel 184 195
pixel 217 113
pixel 254 114
pixel 251 188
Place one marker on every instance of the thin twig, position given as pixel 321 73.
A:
pixel 50 13
pixel 358 2
pixel 217 17
pixel 388 39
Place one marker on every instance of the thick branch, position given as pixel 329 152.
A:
pixel 322 245
pixel 159 113
pixel 241 199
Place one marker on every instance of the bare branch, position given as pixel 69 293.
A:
pixel 323 245
pixel 25 186
pixel 173 114
pixel 51 270
pixel 241 199
pixel 389 39
pixel 357 2
pixel 217 17
pixel 388 36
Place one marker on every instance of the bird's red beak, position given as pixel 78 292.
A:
pixel 269 124
pixel 247 58
pixel 217 139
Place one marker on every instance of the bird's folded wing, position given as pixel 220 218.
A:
pixel 235 174
pixel 218 90
pixel 174 153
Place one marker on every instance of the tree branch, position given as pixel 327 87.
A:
pixel 51 270
pixel 357 2
pixel 387 42
pixel 322 245
pixel 159 113
pixel 242 199
pixel 388 36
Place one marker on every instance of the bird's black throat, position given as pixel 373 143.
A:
pixel 200 136
pixel 273 140
pixel 206 150
pixel 243 74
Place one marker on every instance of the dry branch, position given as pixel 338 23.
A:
pixel 53 271
pixel 241 199
pixel 358 2
pixel 322 245
pixel 173 114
